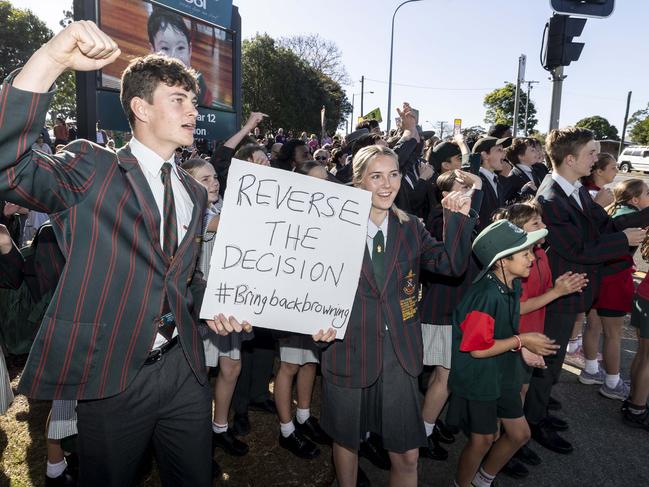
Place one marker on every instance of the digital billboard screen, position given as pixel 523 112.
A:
pixel 140 28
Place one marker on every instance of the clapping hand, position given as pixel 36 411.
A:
pixel 570 282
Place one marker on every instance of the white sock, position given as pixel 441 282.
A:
pixel 592 366
pixel 302 415
pixel 483 479
pixel 573 345
pixel 612 380
pixel 287 429
pixel 219 428
pixel 55 469
pixel 429 428
pixel 367 435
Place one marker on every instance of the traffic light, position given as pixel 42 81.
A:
pixel 560 49
pixel 587 8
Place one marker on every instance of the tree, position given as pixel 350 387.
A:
pixel 600 126
pixel 64 101
pixel 639 133
pixel 21 33
pixel 321 54
pixel 278 83
pixel 500 108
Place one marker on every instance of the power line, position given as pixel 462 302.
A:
pixel 429 87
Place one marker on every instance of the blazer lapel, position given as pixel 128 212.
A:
pixel 571 201
pixel 368 270
pixel 144 196
pixel 197 213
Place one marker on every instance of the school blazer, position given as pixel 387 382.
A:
pixel 356 361
pixel 490 201
pixel 101 321
pixel 581 240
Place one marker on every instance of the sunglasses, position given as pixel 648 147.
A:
pixel 321 158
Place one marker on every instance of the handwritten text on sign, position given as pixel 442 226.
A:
pixel 288 251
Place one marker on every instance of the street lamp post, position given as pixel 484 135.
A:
pixel 353 97
pixel 389 112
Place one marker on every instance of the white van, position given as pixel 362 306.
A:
pixel 634 159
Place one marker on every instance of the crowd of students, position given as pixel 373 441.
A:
pixel 480 258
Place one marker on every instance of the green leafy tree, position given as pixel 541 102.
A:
pixel 639 133
pixel 65 102
pixel 600 126
pixel 21 33
pixel 280 84
pixel 500 108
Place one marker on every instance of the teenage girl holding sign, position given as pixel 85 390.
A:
pixel 370 376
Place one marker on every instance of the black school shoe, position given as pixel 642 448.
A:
pixel 228 442
pixel 433 449
pixel 550 439
pixel 312 430
pixel 372 449
pixel 526 455
pixel 241 424
pixel 443 433
pixel 299 445
pixel 555 423
pixel 554 404
pixel 640 421
pixel 66 479
pixel 515 469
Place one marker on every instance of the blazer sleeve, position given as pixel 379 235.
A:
pixel 33 179
pixel 565 238
pixel 451 256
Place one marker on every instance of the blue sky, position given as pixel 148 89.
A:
pixel 456 51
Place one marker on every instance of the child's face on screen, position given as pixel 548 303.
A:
pixel 173 43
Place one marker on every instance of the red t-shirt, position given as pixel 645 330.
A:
pixel 538 283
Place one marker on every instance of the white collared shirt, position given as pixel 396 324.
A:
pixel 527 170
pixel 151 164
pixel 491 177
pixel 372 230
pixel 567 187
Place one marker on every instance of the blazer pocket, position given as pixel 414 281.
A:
pixel 76 350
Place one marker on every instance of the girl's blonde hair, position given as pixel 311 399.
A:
pixel 193 165
pixel 625 191
pixel 362 160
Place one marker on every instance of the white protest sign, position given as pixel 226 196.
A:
pixel 288 251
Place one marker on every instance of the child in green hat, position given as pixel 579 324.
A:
pixel 486 372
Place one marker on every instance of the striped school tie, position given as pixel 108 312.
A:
pixel 170 241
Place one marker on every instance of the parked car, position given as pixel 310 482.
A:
pixel 634 159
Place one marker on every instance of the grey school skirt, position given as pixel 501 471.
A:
pixel 391 408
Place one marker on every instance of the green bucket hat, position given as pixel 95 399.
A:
pixel 500 239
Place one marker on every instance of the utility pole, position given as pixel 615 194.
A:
pixel 519 80
pixel 441 130
pixel 557 84
pixel 527 103
pixel 626 118
pixel 362 93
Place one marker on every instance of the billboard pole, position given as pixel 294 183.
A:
pixel 236 72
pixel 86 95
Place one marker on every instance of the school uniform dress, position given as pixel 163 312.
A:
pixel 485 389
pixel 370 376
pixel 216 345
pixel 615 297
pixel 536 284
pixel 441 294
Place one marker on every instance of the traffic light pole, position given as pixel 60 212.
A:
pixel 557 85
